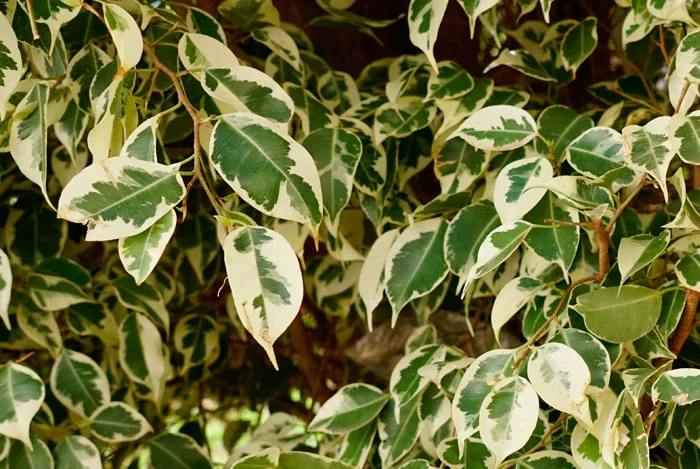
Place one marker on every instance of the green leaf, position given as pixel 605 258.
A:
pixel 687 271
pixel 249 90
pixel 592 351
pixel 266 458
pixel 372 277
pixel 291 189
pixel 496 248
pixel 79 383
pixel 357 444
pixel 515 192
pixel 449 82
pixel 512 297
pixel 686 130
pixel 32 231
pixel 424 18
pixel 297 459
pixel 28 136
pixel 120 197
pixel 53 293
pixel 649 149
pixel 498 128
pixel 598 151
pixel 34 455
pixel 459 165
pixel 143 298
pixel 266 282
pixel 353 407
pixel 280 43
pixel 559 126
pixel 176 450
pixel 399 429
pixel 336 153
pixel 196 337
pixel 508 416
pixel 687 57
pixel 401 119
pixel 117 422
pixel 141 354
pixel 21 395
pixel 465 235
pixel 405 382
pixel 578 43
pixel 474 8
pixel 408 274
pixel 249 14
pixel 5 288
pixel 620 315
pixel 202 22
pixel 681 386
pixel 10 63
pixel 638 251
pixel 199 52
pixel 77 452
pixel 126 36
pixel 545 460
pixel 140 253
pixel 477 382
pixel 561 377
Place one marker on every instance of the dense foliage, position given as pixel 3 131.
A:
pixel 219 251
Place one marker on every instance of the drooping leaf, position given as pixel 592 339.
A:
pixel 126 36
pixel 424 18
pixel 202 22
pixel 23 393
pixel 141 354
pixel 498 128
pixel 172 450
pixel 398 431
pixel 120 197
pixel 79 383
pixel 474 8
pixel 373 275
pixel 290 187
pixel 10 63
pixel 117 422
pixel 405 383
pixel 266 282
pixel 357 444
pixel 649 149
pixel 76 452
pixel 280 43
pixel 512 297
pixel 351 408
pixel 140 253
pixel 196 337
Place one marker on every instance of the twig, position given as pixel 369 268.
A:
pixel 24 357
pixel 685 326
pixel 567 223
pixel 603 247
pixel 626 202
pixel 684 91
pixel 652 418
pixel 662 44
pixel 92 10
pixel 638 101
pixel 546 436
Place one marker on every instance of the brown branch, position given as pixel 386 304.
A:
pixel 92 10
pixel 626 202
pixel 662 44
pixel 24 357
pixel 684 91
pixel 685 326
pixel 603 248
pixel 649 424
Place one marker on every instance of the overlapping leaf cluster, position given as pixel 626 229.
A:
pixel 176 181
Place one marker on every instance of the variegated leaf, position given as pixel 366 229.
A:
pixel 649 149
pixel 399 429
pixel 53 293
pixel 10 64
pixel 280 43
pixel 681 386
pixel 28 136
pixel 474 8
pixel 126 36
pixel 687 271
pixel 199 52
pixel 408 275
pixel 172 450
pixel 403 118
pixel 498 128
pixel 546 459
pixel 140 253
pixel 351 408
pixel 196 337
pixel 120 197
pixel 250 15
pixel 117 422
pixel 636 252
pixel 6 288
pixel 508 416
pixel 515 192
pixel 686 130
pixel 33 454
pixel 142 142
pixel 598 151
pixel 424 18
pixel 266 282
pixel 687 57
pixel 338 91
pixel 449 82
pixel 514 295
pixel 578 43
pixel 459 165
pixel 143 298
pixel 593 353
pixel 77 452
pixel 23 393
pixel 39 325
pixel 79 383
pixel 291 188
pixel 357 444
pixel 522 61
pixel 406 383
pixel 373 276
pixel 141 354
pixel 558 126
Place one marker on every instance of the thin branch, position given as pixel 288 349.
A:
pixel 92 10
pixel 662 44
pixel 684 91
pixel 652 418
pixel 567 223
pixel 641 102
pixel 685 326
pixel 626 202
pixel 24 357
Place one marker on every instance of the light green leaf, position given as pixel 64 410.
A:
pixel 687 56
pixel 22 394
pixel 620 315
pixel 405 382
pixel 545 460
pixel 199 52
pixel 77 452
pixel 459 165
pixel 449 82
pixel 681 386
pixel 34 455
pixel 79 383
pixel 199 21
pixel 196 337
pixel 39 325
pixel 598 151
pixel 408 274
pixel 402 118
pixel 266 282
pixel 592 351
pixel 250 14
pixel 687 271
pixel 585 449
pixel 639 251
pixel 498 128
pixel 281 43
pixel 142 142
pixel 336 153
pixel 357 444
pixel 143 298
pixel 516 190
pixel 561 378
pixel 477 382
pixel 292 188
pixel 53 293
pixel 297 459
pixel 126 36
pixel 578 43
pixel 508 416
pixel 649 149
pixel 465 235
pixel 117 422
pixel 514 295
pixel 264 459
pixel 249 90
pixel 120 197
pixel 686 130
pixel 10 64
pixel 399 429
pixel 28 136
pixel 140 253
pixel 522 61
pixel 5 288
pixel 424 18
pixel 141 354
pixel 559 126
pixel 351 408
pixel 372 276
pixel 497 247
pixel 172 450
pixel 474 8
